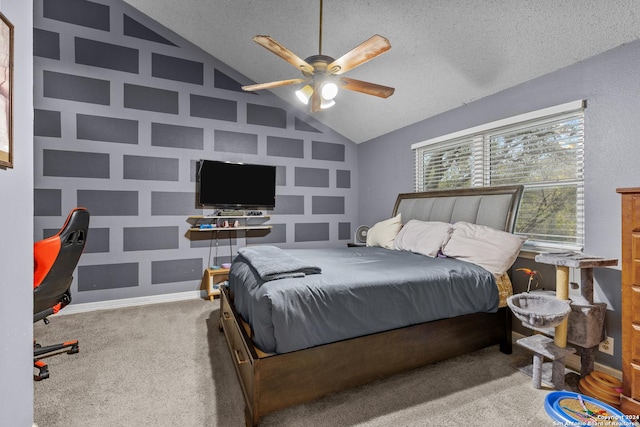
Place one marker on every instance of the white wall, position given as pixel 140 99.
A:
pixel 16 231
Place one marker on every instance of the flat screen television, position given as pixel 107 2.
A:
pixel 236 185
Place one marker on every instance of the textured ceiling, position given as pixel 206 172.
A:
pixel 445 53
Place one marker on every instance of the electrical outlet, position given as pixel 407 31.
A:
pixel 606 346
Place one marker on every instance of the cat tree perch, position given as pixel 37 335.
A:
pixel 583 325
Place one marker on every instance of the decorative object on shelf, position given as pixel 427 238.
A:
pixel 6 92
pixel 319 85
pixel 230 213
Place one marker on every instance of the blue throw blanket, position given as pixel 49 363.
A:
pixel 272 263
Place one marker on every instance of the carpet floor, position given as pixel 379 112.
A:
pixel 167 365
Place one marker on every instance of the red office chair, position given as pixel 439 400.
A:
pixel 56 258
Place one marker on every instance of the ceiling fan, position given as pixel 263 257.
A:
pixel 320 83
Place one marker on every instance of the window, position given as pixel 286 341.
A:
pixel 543 150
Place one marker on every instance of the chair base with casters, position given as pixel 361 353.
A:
pixel 40 352
pixel 56 258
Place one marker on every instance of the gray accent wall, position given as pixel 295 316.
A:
pixel 610 84
pixel 123 111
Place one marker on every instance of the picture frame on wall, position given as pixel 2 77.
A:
pixel 6 93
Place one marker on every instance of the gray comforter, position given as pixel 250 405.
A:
pixel 359 292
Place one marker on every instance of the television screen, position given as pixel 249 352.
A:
pixel 236 185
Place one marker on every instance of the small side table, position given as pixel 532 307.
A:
pixel 212 277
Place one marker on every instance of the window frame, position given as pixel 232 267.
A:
pixel 479 137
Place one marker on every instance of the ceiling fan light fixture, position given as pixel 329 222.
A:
pixel 304 93
pixel 327 104
pixel 329 91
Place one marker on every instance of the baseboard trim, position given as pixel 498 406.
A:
pixel 131 302
pixel 573 361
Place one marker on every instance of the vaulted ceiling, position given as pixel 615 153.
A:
pixel 445 53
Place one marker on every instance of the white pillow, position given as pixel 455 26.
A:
pixel 423 237
pixel 492 249
pixel 384 232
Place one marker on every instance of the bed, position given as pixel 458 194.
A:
pixel 287 358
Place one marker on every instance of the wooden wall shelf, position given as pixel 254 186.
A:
pixel 198 220
pixel 250 227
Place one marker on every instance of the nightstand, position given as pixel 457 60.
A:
pixel 212 277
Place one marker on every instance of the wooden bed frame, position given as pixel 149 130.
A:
pixel 271 382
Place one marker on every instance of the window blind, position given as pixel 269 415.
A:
pixel 545 154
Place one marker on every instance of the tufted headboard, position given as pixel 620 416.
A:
pixel 495 207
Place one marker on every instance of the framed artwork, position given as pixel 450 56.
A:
pixel 6 92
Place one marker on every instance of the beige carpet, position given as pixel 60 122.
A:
pixel 167 365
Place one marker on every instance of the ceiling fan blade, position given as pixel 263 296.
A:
pixel 284 53
pixel 366 87
pixel 362 53
pixel 260 86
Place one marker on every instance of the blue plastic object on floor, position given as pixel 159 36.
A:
pixel 574 416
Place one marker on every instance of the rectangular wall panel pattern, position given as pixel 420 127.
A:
pixel 150 168
pixel 47 123
pixel 46 44
pixel 107 276
pixel 209 107
pixel 110 129
pixel 106 55
pixel 182 70
pixel 285 147
pixel 78 12
pixel 176 270
pixel 174 203
pixel 166 135
pixel 150 99
pixel 311 232
pixel 124 111
pixel 150 238
pixel 343 178
pixel 327 205
pixel 76 164
pixel 327 151
pixel 76 88
pixel 311 177
pixel 109 202
pixel 47 202
pixel 235 142
pixel 266 116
